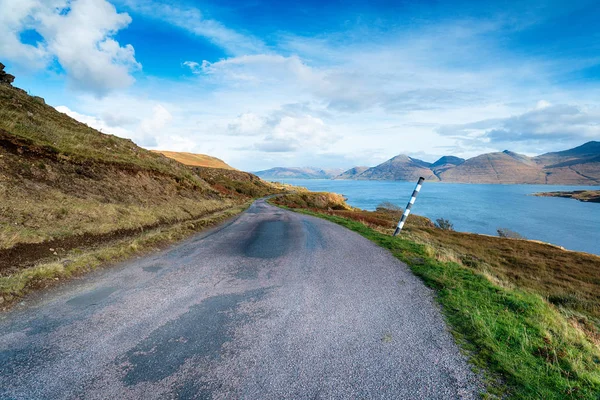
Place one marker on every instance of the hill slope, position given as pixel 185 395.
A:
pixel 352 173
pixel 64 184
pixel 400 168
pixel 501 167
pixel 195 160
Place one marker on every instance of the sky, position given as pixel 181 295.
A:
pixel 331 84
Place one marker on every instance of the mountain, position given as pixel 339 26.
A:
pixel 577 166
pixel 501 167
pixel 195 160
pixel 352 173
pixel 299 173
pixel 400 168
pixel 445 163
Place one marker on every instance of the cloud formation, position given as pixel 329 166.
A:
pixel 79 34
pixel 546 123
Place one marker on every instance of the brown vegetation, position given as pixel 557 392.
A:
pixel 64 185
pixel 195 160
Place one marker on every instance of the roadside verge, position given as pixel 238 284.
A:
pixel 525 346
pixel 79 261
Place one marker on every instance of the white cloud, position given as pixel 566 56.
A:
pixel 78 34
pixel 95 122
pixel 543 128
pixel 144 133
pixel 246 124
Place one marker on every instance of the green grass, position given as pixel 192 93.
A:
pixel 527 348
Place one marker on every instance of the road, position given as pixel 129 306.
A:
pixel 274 305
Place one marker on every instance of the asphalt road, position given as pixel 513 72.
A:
pixel 275 305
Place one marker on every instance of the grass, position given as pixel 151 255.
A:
pixel 79 261
pixel 531 339
pixel 60 178
pixel 41 125
pixel 195 160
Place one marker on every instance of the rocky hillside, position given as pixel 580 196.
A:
pixel 298 173
pixel 64 184
pixel 195 160
pixel 578 166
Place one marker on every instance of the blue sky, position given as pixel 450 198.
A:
pixel 315 83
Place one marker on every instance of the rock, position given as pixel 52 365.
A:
pixel 5 79
pixel 39 99
pixel 1 300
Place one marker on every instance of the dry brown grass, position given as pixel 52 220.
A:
pixel 79 261
pixel 195 160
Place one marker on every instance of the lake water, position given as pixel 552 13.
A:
pixel 482 208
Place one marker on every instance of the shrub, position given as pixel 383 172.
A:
pixel 387 206
pixel 507 233
pixel 444 224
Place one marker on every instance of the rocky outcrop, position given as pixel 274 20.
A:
pixel 5 79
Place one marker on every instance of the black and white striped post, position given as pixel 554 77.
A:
pixel 409 206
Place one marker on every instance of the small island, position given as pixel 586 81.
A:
pixel 581 195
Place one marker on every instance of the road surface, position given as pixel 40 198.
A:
pixel 275 305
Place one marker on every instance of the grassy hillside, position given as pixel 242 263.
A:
pixel 195 160
pixel 529 312
pixel 64 185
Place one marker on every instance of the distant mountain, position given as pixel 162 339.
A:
pixel 399 168
pixel 577 166
pixel 195 160
pixel 299 173
pixel 445 163
pixel 352 173
pixel 501 167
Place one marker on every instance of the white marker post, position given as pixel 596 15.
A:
pixel 409 206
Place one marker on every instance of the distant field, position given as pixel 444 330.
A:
pixel 195 160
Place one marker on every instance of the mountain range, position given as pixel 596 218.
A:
pixel 577 166
pixel 299 173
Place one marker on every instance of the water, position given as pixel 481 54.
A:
pixel 483 208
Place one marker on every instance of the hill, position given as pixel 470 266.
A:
pixel 352 173
pixel 399 168
pixel 445 163
pixel 195 160
pixel 501 167
pixel 64 185
pixel 299 173
pixel 577 166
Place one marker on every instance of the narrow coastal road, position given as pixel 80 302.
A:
pixel 275 305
